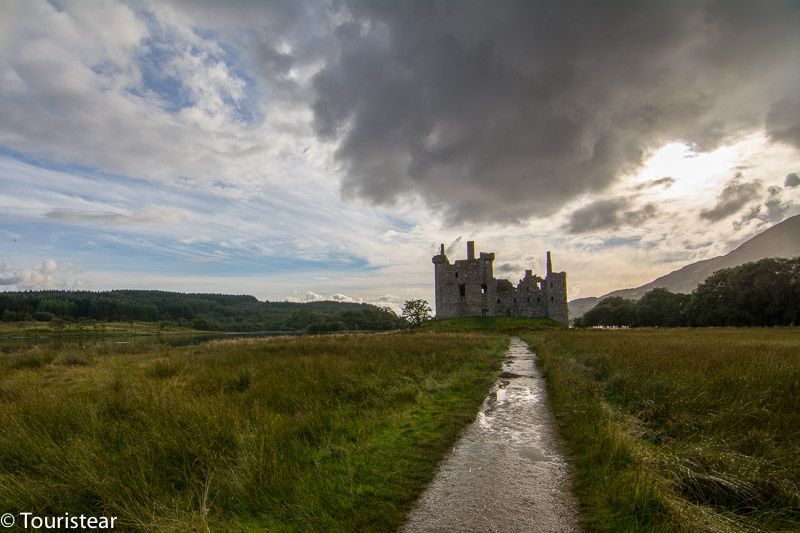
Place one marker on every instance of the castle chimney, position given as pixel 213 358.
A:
pixel 549 264
pixel 470 250
pixel 528 273
pixel 441 249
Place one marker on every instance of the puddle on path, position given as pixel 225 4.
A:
pixel 505 473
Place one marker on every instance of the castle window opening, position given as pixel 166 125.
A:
pixel 551 298
pixel 462 291
pixel 529 299
pixel 483 288
pixel 456 274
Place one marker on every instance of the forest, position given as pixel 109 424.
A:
pixel 210 312
pixel 762 293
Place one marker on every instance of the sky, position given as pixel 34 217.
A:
pixel 303 150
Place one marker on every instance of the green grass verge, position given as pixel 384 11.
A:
pixel 505 325
pixel 679 429
pixel 336 433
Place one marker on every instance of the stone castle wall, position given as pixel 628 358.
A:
pixel 467 287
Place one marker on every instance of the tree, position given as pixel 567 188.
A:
pixel 662 308
pixel 762 293
pixel 416 311
pixel 612 311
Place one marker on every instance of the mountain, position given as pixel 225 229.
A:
pixel 579 306
pixel 781 240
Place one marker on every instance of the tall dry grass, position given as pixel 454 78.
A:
pixel 680 429
pixel 314 433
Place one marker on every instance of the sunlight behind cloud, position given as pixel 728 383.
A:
pixel 696 175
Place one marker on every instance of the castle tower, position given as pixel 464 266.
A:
pixel 440 267
pixel 555 290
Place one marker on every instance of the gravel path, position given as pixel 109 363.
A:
pixel 505 473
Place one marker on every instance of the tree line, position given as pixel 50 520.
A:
pixel 213 312
pixel 762 293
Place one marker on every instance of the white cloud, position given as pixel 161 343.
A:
pixel 76 91
pixel 45 274
pixel 155 214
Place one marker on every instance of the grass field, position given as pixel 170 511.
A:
pixel 337 433
pixel 13 329
pixel 679 429
pixel 666 430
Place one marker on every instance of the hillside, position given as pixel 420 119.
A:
pixel 199 311
pixel 781 240
pixel 579 306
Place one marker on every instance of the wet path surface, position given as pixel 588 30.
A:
pixel 505 473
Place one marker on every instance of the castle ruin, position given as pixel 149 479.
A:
pixel 468 288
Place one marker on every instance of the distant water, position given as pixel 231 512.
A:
pixel 12 344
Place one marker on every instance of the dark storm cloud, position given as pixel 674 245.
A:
pixel 665 182
pixel 733 197
pixel 773 210
pixel 509 268
pixel 639 216
pixel 597 215
pixel 792 180
pixel 775 207
pixel 505 110
pixel 608 214
pixel 696 246
pixel 454 246
pixel 783 121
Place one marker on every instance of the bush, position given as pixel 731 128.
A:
pixel 202 323
pixel 30 359
pixel 43 316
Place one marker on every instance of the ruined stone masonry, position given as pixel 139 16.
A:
pixel 468 288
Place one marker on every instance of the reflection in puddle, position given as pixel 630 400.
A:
pixel 500 394
pixel 533 453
